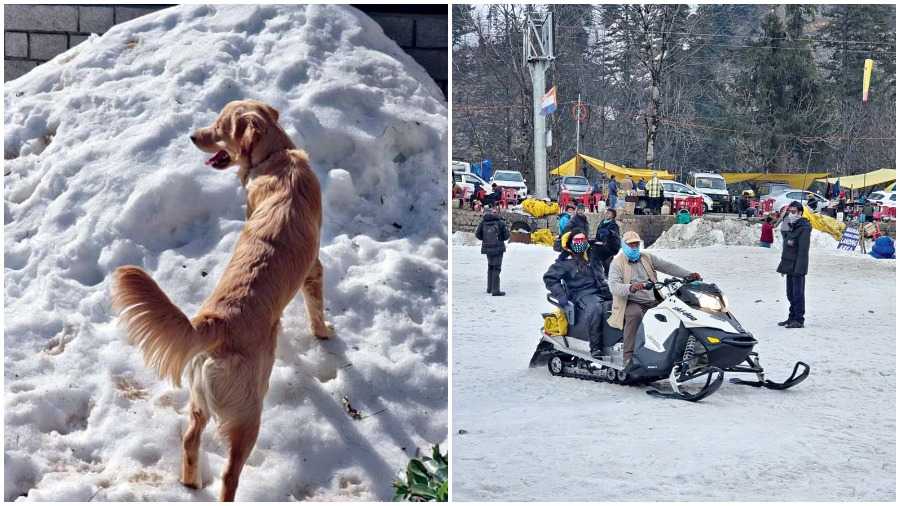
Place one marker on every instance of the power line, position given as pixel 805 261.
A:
pixel 803 39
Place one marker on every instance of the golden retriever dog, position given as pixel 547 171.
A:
pixel 228 349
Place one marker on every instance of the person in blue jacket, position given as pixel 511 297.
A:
pixel 566 216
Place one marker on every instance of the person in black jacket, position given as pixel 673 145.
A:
pixel 493 234
pixel 607 241
pixel 574 279
pixel 795 232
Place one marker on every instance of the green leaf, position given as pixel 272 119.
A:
pixel 422 492
pixel 443 491
pixel 418 468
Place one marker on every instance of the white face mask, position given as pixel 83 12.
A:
pixel 792 218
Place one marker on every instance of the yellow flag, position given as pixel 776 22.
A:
pixel 867 78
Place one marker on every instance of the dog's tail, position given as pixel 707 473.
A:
pixel 166 336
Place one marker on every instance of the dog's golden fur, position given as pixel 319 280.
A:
pixel 228 348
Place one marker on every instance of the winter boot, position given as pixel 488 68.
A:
pixel 793 325
pixel 490 280
pixel 784 323
pixel 495 288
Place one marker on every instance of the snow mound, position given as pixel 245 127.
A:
pixel 701 233
pixel 461 238
pixel 100 173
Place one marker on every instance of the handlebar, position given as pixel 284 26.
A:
pixel 660 284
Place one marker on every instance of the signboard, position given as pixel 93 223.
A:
pixel 580 111
pixel 850 239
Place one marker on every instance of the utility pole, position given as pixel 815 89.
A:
pixel 578 126
pixel 538 53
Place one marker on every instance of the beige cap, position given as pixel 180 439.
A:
pixel 630 237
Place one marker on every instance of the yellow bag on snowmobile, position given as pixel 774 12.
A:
pixel 555 323
pixel 538 208
pixel 542 236
pixel 823 223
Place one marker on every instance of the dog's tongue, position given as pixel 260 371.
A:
pixel 219 160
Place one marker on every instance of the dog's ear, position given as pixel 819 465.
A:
pixel 249 128
pixel 271 112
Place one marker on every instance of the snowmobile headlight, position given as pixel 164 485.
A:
pixel 710 302
pixel 713 340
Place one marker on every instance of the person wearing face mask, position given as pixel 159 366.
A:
pixel 573 278
pixel 630 269
pixel 606 241
pixel 795 233
pixel 579 220
pixel 565 217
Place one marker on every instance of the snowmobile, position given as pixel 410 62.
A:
pixel 689 339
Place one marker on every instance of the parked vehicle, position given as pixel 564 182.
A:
pixel 784 198
pixel 576 186
pixel 771 188
pixel 459 166
pixel 466 181
pixel 877 196
pixel 712 185
pixel 510 179
pixel 673 189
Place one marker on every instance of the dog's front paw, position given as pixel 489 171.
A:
pixel 194 483
pixel 325 331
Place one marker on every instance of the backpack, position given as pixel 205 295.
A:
pixel 490 232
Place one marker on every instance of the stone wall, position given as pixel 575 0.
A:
pixel 648 227
pixel 34 34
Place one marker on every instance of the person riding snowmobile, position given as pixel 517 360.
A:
pixel 572 278
pixel 629 271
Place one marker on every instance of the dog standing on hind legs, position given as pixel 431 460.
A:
pixel 228 348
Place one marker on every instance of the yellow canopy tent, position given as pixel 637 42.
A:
pixel 874 178
pixel 802 181
pixel 569 168
pixel 890 187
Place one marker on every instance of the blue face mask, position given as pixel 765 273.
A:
pixel 632 254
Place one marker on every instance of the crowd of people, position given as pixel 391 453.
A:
pixel 613 267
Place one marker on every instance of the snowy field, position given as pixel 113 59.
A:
pixel 529 436
pixel 100 172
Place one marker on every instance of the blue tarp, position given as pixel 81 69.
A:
pixel 483 169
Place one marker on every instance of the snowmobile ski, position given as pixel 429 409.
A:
pixel 774 385
pixel 714 379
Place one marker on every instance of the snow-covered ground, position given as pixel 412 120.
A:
pixel 100 172
pixel 521 434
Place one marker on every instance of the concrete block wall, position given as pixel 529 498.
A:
pixel 34 34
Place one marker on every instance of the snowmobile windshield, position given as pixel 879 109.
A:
pixel 703 296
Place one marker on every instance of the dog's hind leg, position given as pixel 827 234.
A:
pixel 315 301
pixel 242 438
pixel 190 457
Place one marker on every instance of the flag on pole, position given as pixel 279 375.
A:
pixel 867 78
pixel 548 103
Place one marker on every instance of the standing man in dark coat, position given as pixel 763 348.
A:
pixel 795 232
pixel 607 241
pixel 493 234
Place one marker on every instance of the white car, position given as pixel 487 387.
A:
pixel 879 196
pixel 673 189
pixel 785 197
pixel 888 200
pixel 466 181
pixel 510 179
